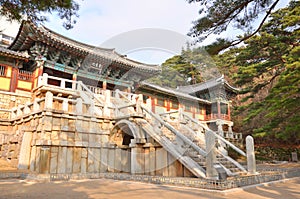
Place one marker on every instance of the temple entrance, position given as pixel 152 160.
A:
pixel 126 136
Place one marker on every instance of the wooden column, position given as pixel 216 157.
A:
pixel 168 105
pixel 14 79
pixel 104 85
pixel 228 112
pixel 219 109
pixel 153 104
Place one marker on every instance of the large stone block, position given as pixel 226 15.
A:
pixel 24 158
pixel 55 135
pixel 85 126
pixel 77 160
pixel 125 160
pixel 71 138
pixel 47 123
pixel 152 161
pixel 83 165
pixel 56 123
pixel 137 160
pixel 118 160
pixel 44 160
pixel 69 168
pixel 172 167
pixel 62 160
pixel 104 160
pixel 32 158
pixel 37 159
pixel 71 125
pixel 161 162
pixel 97 159
pixel 111 160
pixel 147 161
pixel 53 159
pixel 64 124
pixel 91 160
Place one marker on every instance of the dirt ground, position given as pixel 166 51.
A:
pixel 110 189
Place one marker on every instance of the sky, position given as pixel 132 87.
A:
pixel 152 30
pixel 100 21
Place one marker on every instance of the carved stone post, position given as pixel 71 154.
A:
pixel 92 108
pixel 137 158
pixel 45 79
pixel 49 100
pixel 139 102
pixel 230 132
pixel 79 106
pixel 210 140
pixel 106 111
pixel 36 106
pixel 251 163
pixel 26 108
pixel 148 106
pixel 180 115
pixel 65 105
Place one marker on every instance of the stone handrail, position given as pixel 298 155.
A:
pixel 218 136
pixel 27 108
pixel 233 135
pixel 43 80
pixel 173 130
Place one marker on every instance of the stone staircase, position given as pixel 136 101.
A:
pixel 184 138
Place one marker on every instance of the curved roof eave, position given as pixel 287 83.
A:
pixel 105 53
pixel 175 93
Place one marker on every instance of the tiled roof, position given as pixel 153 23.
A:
pixel 10 53
pixel 28 33
pixel 173 92
pixel 207 85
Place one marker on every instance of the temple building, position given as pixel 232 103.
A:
pixel 70 107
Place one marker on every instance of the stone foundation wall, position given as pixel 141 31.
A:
pixel 9 100
pixel 56 142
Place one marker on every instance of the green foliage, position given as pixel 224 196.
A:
pixel 34 10
pixel 191 67
pixel 268 70
pixel 218 15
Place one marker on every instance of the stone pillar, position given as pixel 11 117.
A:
pixel 107 96
pixel 91 110
pixel 228 111
pixel 79 87
pixel 219 109
pixel 65 105
pixel 139 102
pixel 26 108
pixel 62 83
pixel 230 132
pixel 74 78
pixel 180 115
pixel 137 158
pixel 79 106
pixel 24 158
pixel 44 80
pixel 251 163
pixel 36 106
pixel 49 100
pixel 210 140
pixel 19 111
pixel 104 85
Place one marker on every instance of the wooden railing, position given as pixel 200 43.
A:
pixel 2 70
pixel 25 75
pixel 216 116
